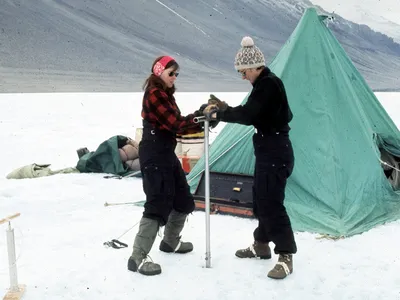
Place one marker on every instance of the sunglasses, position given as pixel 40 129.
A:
pixel 242 72
pixel 170 74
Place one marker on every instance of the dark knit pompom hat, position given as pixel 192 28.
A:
pixel 249 55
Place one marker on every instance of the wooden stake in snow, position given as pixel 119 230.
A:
pixel 15 291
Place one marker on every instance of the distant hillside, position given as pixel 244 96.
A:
pixel 109 45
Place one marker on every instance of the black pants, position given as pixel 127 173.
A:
pixel 164 181
pixel 274 164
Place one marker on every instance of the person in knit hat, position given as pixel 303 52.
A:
pixel 267 109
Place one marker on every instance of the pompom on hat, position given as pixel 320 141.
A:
pixel 249 55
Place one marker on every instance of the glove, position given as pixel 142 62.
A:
pixel 213 123
pixel 209 112
pixel 222 105
pixel 203 107
pixel 199 112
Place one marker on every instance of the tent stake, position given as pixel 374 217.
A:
pixel 15 291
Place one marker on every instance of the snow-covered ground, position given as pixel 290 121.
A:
pixel 380 15
pixel 64 223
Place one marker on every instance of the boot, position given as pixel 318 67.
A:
pixel 82 151
pixel 283 268
pixel 144 240
pixel 171 242
pixel 256 250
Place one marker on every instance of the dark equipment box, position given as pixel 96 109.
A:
pixel 229 194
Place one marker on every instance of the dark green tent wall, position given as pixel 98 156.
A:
pixel 338 186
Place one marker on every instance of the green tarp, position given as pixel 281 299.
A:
pixel 105 159
pixel 338 186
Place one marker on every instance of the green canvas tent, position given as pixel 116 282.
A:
pixel 339 129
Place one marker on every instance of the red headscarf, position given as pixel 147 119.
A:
pixel 159 67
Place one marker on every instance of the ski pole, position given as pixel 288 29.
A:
pixel 118 203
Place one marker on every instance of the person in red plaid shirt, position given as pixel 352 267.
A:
pixel 168 197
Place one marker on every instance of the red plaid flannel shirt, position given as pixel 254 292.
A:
pixel 162 111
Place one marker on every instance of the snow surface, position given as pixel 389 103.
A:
pixel 64 223
pixel 379 15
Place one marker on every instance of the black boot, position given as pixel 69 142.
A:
pixel 82 151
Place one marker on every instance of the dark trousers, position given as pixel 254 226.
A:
pixel 164 181
pixel 274 164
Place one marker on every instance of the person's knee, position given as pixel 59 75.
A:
pixel 158 185
pixel 160 218
pixel 185 205
pixel 269 207
pixel 158 207
pixel 184 202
